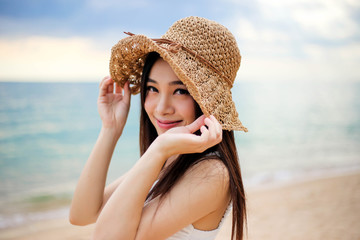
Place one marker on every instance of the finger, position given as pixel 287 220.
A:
pixel 210 124
pixel 103 80
pixel 194 126
pixel 110 88
pixel 118 88
pixel 215 135
pixel 204 137
pixel 104 86
pixel 217 125
pixel 127 92
pixel 204 132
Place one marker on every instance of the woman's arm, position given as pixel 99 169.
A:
pixel 89 196
pixel 121 216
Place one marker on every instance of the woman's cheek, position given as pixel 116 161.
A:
pixel 187 109
pixel 149 104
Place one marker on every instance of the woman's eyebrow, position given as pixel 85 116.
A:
pixel 151 80
pixel 176 82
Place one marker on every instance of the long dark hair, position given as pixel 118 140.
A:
pixel 225 150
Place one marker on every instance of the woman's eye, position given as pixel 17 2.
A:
pixel 181 91
pixel 151 89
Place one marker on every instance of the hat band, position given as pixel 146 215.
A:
pixel 175 47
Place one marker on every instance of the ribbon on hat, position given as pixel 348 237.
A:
pixel 175 47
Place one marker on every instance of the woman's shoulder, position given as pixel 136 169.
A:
pixel 212 169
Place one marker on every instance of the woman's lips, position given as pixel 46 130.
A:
pixel 167 124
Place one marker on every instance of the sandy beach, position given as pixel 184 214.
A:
pixel 322 208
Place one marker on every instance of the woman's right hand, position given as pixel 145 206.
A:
pixel 113 104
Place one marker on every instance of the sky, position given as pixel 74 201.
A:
pixel 279 40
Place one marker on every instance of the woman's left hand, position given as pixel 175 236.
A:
pixel 182 140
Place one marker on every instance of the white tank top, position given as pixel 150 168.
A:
pixel 191 233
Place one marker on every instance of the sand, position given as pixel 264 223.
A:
pixel 324 208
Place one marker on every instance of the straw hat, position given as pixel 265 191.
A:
pixel 202 53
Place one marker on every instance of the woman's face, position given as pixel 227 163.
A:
pixel 168 102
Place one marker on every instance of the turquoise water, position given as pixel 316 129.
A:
pixel 47 131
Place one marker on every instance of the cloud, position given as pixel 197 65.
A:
pixel 40 58
pixel 328 19
pixel 279 40
pixel 322 64
pixel 300 40
pixel 324 19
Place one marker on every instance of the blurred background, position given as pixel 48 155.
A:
pixel 297 90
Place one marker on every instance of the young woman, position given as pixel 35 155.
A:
pixel 188 176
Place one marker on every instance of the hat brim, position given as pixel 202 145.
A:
pixel 213 96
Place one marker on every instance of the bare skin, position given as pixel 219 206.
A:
pixel 119 209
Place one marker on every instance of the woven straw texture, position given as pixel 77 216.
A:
pixel 204 56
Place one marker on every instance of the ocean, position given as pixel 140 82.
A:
pixel 297 130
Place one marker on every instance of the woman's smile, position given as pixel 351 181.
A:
pixel 166 124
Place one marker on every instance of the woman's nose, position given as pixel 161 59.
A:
pixel 164 105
